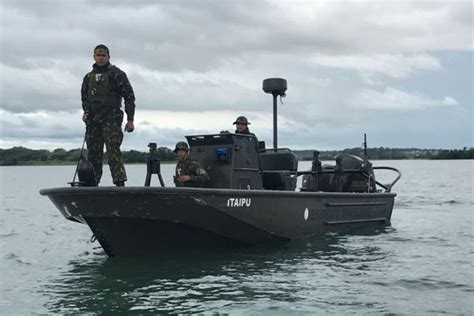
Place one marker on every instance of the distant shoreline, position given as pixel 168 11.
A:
pixel 70 163
pixel 21 156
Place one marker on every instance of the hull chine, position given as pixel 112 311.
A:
pixel 146 221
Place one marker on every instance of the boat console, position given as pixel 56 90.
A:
pixel 235 161
pixel 231 160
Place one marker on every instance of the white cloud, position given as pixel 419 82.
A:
pixel 203 62
pixel 394 99
pixel 392 65
pixel 200 35
pixel 449 101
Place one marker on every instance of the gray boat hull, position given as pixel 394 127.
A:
pixel 153 220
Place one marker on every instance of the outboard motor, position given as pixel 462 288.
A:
pixel 362 181
pixel 349 174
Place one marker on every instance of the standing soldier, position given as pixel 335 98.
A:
pixel 189 172
pixel 102 91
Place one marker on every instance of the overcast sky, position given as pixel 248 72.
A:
pixel 401 71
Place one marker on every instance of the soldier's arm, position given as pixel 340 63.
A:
pixel 200 174
pixel 84 92
pixel 126 91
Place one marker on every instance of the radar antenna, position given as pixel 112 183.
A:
pixel 277 87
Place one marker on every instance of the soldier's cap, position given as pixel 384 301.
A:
pixel 242 119
pixel 102 47
pixel 181 145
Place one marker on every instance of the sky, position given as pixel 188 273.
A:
pixel 400 71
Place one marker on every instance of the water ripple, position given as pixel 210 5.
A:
pixel 430 284
pixel 421 264
pixel 16 258
pixel 9 234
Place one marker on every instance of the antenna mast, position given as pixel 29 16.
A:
pixel 277 87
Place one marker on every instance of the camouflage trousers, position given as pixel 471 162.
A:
pixel 108 133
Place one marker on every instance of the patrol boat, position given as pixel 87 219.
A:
pixel 251 198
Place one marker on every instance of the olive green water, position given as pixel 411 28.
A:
pixel 422 263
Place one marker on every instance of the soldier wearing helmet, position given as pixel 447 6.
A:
pixel 241 124
pixel 188 171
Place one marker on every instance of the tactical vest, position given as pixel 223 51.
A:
pixel 100 93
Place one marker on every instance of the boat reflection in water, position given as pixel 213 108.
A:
pixel 251 198
pixel 197 281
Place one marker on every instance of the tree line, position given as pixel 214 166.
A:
pixel 383 153
pixel 25 156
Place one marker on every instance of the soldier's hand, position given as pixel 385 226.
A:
pixel 129 127
pixel 184 178
pixel 84 117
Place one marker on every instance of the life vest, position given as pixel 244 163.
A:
pixel 100 93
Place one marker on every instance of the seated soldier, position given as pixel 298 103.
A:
pixel 189 172
pixel 241 124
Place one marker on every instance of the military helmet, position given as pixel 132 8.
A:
pixel 181 145
pixel 242 119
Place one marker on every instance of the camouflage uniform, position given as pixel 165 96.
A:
pixel 246 132
pixel 102 91
pixel 192 168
